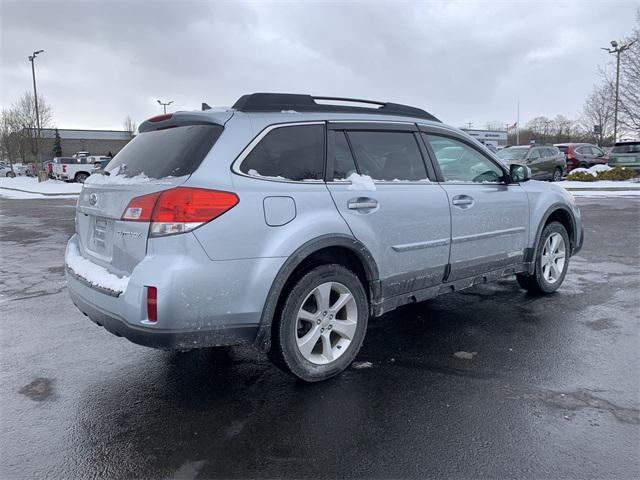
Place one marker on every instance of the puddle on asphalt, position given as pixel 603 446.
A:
pixel 39 390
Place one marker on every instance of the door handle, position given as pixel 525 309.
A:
pixel 362 203
pixel 462 201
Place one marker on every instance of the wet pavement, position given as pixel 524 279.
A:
pixel 488 383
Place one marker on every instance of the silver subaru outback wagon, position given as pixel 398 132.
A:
pixel 287 222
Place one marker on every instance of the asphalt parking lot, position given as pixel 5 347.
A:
pixel 548 387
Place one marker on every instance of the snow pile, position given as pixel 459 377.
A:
pixel 254 173
pixel 591 170
pixel 92 273
pixel 116 179
pixel 361 182
pixel 29 187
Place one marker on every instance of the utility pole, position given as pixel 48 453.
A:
pixel 617 50
pixel 35 99
pixel 165 105
pixel 469 125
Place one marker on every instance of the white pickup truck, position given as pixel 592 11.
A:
pixel 76 169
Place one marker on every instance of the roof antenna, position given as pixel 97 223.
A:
pixel 205 107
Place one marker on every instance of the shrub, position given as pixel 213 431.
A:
pixel 581 177
pixel 616 174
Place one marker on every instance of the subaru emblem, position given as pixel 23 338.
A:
pixel 93 199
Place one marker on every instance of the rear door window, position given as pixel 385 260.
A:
pixel 288 153
pixel 343 164
pixel 388 155
pixel 173 152
pixel 630 147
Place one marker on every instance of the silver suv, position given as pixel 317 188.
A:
pixel 287 222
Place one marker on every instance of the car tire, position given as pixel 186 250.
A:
pixel 551 262
pixel 328 307
pixel 11 175
pixel 81 177
pixel 557 175
pixel 583 165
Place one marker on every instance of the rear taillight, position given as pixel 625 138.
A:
pixel 152 304
pixel 140 209
pixel 64 169
pixel 50 168
pixel 179 210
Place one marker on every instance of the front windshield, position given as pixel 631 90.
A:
pixel 513 153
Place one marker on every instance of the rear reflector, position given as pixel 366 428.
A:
pixel 152 304
pixel 179 210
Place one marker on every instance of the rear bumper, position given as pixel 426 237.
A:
pixel 201 303
pixel 165 339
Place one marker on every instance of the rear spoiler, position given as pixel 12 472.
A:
pixel 181 119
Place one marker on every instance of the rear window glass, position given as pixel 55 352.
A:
pixel 343 164
pixel 631 147
pixel 517 153
pixel 173 152
pixel 388 155
pixel 288 153
pixel 563 149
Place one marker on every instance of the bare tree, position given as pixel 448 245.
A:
pixel 24 118
pixel 9 136
pixel 495 125
pixel 129 126
pixel 599 110
pixel 629 106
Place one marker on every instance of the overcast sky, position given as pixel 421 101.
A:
pixel 462 61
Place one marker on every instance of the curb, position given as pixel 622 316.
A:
pixel 41 193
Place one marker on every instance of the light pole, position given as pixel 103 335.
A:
pixel 35 98
pixel 617 50
pixel 165 105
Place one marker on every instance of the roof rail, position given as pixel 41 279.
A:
pixel 277 102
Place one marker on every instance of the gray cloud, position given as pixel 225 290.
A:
pixel 463 61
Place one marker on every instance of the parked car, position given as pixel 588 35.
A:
pixel 582 155
pixel 6 170
pixel 626 154
pixel 99 164
pixel 240 231
pixel 18 169
pixel 545 161
pixel 76 169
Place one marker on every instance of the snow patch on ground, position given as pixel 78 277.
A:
pixel 361 182
pixel 30 188
pixel 361 365
pixel 92 273
pixel 465 355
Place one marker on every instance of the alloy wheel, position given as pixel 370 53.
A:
pixel 326 323
pixel 554 256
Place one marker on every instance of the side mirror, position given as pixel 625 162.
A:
pixel 519 173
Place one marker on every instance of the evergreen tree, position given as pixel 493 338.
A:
pixel 57 145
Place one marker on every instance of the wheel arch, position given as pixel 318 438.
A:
pixel 331 248
pixel 555 213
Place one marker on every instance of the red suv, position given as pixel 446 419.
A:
pixel 583 155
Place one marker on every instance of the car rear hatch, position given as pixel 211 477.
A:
pixel 160 158
pixel 625 153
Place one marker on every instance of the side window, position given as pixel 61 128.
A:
pixel 583 150
pixel 288 153
pixel 534 154
pixel 461 163
pixel 597 152
pixel 388 155
pixel 343 164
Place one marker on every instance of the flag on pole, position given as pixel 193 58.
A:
pixel 512 127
